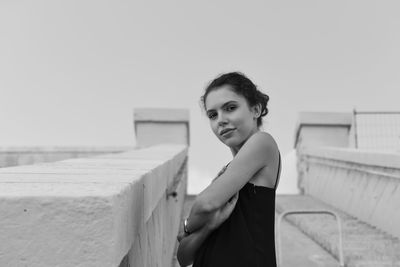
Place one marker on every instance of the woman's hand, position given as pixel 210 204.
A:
pixel 218 217
pixel 223 213
pixel 180 236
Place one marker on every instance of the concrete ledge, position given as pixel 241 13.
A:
pixel 91 212
pixel 324 118
pixel 158 114
pixel 46 149
pixel 383 159
pixel 364 184
pixel 15 156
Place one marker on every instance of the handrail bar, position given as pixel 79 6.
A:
pixel 334 214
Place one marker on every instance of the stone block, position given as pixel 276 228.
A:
pixel 158 126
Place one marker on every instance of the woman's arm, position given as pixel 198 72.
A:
pixel 189 244
pixel 258 151
pixel 199 216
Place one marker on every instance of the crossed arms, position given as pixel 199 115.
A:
pixel 215 203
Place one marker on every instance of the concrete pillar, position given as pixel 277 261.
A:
pixel 317 129
pixel 161 125
pixel 323 129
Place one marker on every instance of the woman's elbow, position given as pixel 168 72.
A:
pixel 183 261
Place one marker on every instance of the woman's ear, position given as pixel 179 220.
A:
pixel 257 111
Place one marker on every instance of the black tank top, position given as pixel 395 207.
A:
pixel 247 237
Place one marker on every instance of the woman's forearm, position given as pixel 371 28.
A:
pixel 189 245
pixel 200 212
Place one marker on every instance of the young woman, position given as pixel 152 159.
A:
pixel 231 222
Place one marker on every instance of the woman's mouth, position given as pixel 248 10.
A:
pixel 226 132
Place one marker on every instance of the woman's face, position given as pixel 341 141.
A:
pixel 231 118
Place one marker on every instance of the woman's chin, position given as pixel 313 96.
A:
pixel 229 142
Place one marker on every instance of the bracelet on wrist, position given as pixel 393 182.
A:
pixel 185 227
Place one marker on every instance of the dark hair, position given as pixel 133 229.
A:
pixel 242 86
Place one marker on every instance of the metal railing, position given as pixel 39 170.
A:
pixel 377 130
pixel 339 224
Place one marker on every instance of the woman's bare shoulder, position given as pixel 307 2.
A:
pixel 270 152
pixel 267 142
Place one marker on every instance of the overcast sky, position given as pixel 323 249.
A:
pixel 71 72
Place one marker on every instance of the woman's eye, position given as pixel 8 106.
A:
pixel 230 108
pixel 211 116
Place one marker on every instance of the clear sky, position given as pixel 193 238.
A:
pixel 71 72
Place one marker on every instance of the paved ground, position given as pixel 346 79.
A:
pixel 363 244
pixel 300 251
pixel 297 249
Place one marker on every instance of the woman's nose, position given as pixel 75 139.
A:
pixel 222 120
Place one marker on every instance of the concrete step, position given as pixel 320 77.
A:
pixel 363 244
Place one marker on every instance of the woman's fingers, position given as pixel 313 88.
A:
pixel 180 236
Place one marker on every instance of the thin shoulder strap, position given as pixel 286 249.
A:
pixel 278 175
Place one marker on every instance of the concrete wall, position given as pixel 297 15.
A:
pixel 15 156
pixel 108 210
pixel 365 184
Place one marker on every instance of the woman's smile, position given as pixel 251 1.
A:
pixel 226 132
